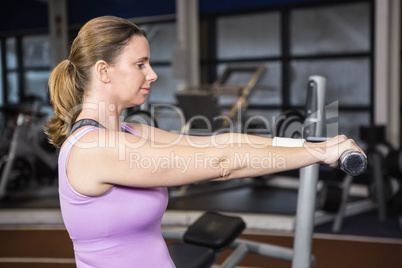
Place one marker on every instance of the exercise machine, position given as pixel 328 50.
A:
pixel 353 163
pixel 29 155
pixel 214 232
pixel 314 126
pixel 386 170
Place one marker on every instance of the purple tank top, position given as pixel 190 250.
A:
pixel 121 228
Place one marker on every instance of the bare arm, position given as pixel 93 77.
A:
pixel 219 140
pixel 129 160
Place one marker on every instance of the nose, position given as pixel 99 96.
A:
pixel 152 76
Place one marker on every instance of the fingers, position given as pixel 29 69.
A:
pixel 354 147
pixel 342 147
pixel 336 140
pixel 330 151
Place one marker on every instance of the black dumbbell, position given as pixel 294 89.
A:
pixel 353 163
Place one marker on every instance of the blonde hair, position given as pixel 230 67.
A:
pixel 102 38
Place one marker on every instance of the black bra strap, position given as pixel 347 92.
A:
pixel 85 122
pixel 80 123
pixel 90 122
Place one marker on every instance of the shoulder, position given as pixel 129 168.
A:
pixel 94 157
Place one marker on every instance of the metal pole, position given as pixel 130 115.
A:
pixel 58 30
pixel 185 61
pixel 305 216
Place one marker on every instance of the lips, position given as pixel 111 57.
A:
pixel 146 89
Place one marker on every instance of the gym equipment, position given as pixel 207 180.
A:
pixel 387 168
pixel 204 239
pixel 333 197
pixel 315 108
pixel 29 154
pixel 394 163
pixel 300 256
pixel 212 233
pixel 289 124
pixel 353 163
pixel 292 124
pixel 201 107
pixel 377 150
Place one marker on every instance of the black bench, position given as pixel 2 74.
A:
pixel 205 239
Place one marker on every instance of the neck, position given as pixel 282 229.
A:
pixel 104 113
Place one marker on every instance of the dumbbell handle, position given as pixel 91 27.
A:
pixel 352 163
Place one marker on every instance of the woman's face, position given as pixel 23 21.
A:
pixel 132 75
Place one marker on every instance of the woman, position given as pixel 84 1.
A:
pixel 113 176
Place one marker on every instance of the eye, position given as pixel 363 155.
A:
pixel 141 65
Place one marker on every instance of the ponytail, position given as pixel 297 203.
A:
pixel 66 101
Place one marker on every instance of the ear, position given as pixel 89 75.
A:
pixel 101 70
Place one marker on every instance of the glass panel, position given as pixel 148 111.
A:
pixel 36 84
pixel 162 40
pixel 334 29
pixel 36 51
pixel 267 90
pixel 11 53
pixel 348 80
pixel 248 36
pixel 12 84
pixel 164 88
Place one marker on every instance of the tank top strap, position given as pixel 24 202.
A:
pixel 69 143
pixel 127 129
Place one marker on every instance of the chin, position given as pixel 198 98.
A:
pixel 137 103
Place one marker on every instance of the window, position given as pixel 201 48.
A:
pixel 334 29
pixel 12 77
pixel 36 66
pixel 253 39
pixel 248 36
pixel 342 82
pixel 27 68
pixel 332 40
pixel 36 51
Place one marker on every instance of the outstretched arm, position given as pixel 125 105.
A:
pixel 220 140
pixel 129 160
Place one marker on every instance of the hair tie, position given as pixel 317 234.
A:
pixel 72 65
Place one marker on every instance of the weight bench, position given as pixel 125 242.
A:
pixel 211 234
pixel 205 239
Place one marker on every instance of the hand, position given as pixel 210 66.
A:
pixel 329 152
